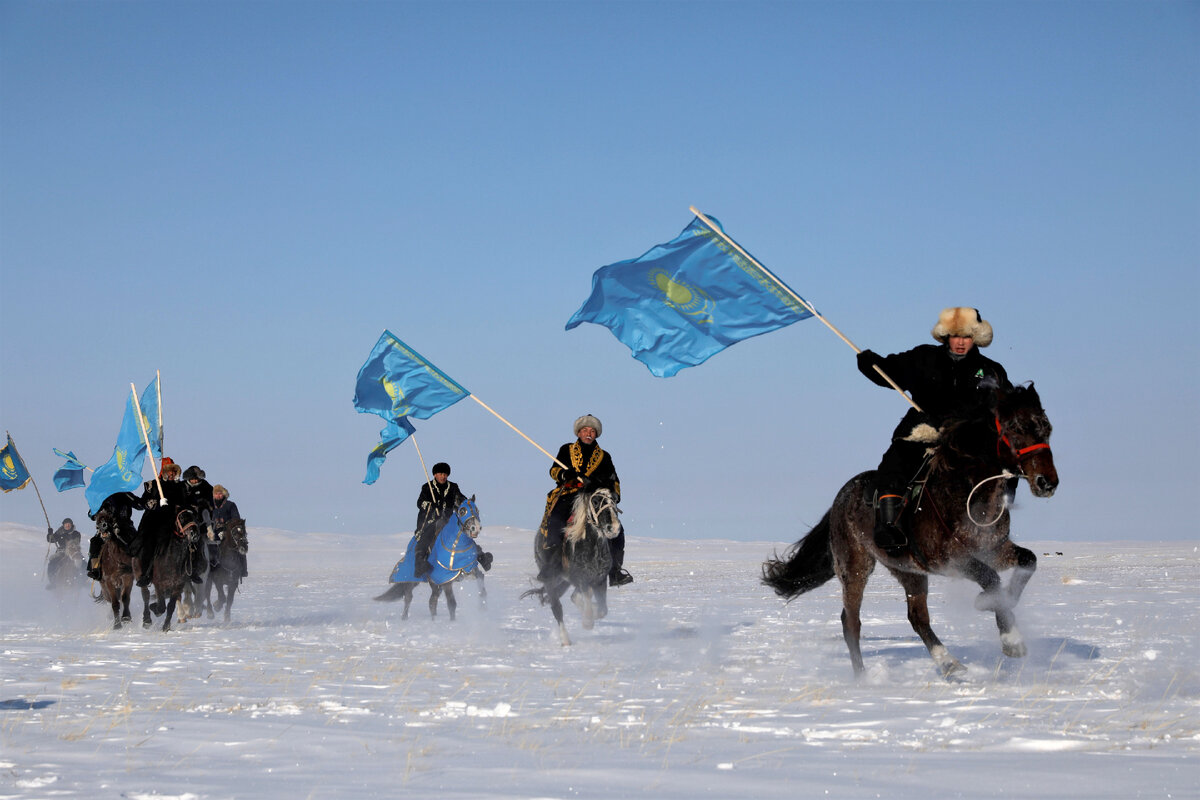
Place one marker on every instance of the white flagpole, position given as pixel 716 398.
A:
pixel 798 299
pixel 162 498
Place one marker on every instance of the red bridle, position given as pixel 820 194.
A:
pixel 1024 451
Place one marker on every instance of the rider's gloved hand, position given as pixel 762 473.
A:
pixel 568 475
pixel 586 483
pixel 867 359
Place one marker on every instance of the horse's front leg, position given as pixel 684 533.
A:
pixel 116 609
pixel 995 598
pixel 230 591
pixel 145 606
pixel 171 602
pixel 556 609
pixel 478 573
pixel 451 600
pixel 408 596
pixel 916 594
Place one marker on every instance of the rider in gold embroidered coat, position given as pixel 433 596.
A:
pixel 591 468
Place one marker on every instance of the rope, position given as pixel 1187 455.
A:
pixel 1005 475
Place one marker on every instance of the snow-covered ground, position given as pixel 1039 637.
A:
pixel 699 683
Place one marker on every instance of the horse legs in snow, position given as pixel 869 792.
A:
pixel 435 592
pixel 478 573
pixel 451 601
pixel 852 597
pixel 145 606
pixel 916 593
pixel 230 591
pixel 995 598
pixel 116 608
pixel 556 608
pixel 171 601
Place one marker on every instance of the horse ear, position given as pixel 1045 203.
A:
pixel 472 498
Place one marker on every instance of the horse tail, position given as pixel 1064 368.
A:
pixel 395 592
pixel 806 565
pixel 539 593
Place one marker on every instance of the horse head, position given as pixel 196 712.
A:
pixel 603 513
pixel 235 534
pixel 1024 439
pixel 106 524
pixel 186 527
pixel 468 517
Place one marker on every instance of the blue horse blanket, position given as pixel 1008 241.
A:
pixel 452 555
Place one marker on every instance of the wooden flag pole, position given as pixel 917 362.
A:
pixel 428 480
pixel 31 480
pixel 798 299
pixel 162 437
pixel 523 436
pixel 162 498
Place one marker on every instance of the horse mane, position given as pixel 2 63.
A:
pixel 576 527
pixel 971 439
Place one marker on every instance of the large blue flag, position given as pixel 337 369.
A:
pixel 151 416
pixel 389 439
pixel 70 474
pixel 13 473
pixel 684 301
pixel 123 471
pixel 396 383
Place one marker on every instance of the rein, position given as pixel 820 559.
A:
pixel 1024 451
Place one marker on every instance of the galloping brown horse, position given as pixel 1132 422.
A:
pixel 118 571
pixel 958 527
pixel 171 567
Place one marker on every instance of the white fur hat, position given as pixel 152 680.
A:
pixel 588 421
pixel 963 321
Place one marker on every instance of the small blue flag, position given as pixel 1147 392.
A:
pixel 123 471
pixel 70 474
pixel 684 301
pixel 389 439
pixel 396 383
pixel 13 473
pixel 151 416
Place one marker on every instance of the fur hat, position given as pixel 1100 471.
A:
pixel 166 462
pixel 219 489
pixel 963 321
pixel 441 466
pixel 588 421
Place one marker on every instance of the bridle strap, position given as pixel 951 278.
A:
pixel 1024 451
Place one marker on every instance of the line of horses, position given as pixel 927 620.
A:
pixel 958 526
pixel 180 542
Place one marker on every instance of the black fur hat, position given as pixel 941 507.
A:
pixel 441 466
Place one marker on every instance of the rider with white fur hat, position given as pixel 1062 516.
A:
pixel 590 468
pixel 946 380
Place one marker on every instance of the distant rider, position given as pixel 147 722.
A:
pixel 435 502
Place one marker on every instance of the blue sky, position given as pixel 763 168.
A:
pixel 245 195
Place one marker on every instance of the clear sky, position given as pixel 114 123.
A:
pixel 245 195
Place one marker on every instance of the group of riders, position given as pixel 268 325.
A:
pixel 946 380
pixel 180 490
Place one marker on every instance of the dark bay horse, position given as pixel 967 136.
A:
pixel 118 571
pixel 227 575
pixel 958 527
pixel 171 567
pixel 452 557
pixel 595 518
pixel 64 569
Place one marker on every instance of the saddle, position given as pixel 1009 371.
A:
pixel 912 493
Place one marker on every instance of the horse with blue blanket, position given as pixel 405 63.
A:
pixel 453 556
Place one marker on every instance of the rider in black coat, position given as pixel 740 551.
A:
pixel 591 468
pixel 159 517
pixel 951 379
pixel 121 507
pixel 435 502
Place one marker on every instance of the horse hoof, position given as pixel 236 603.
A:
pixel 953 670
pixel 1012 646
pixel 117 626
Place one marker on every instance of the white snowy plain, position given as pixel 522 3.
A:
pixel 699 683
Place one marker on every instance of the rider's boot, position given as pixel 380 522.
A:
pixel 888 535
pixel 619 577
pixel 485 561
pixel 421 567
pixel 93 571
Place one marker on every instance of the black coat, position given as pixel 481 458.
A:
pixel 590 461
pixel 62 536
pixel 940 385
pixel 438 502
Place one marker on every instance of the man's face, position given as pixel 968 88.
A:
pixel 68 526
pixel 960 345
pixel 587 434
pixel 441 477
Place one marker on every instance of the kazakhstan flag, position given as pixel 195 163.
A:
pixel 397 381
pixel 683 302
pixel 13 474
pixel 70 474
pixel 123 471
pixel 152 418
pixel 389 439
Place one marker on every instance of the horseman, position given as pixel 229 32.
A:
pixel 224 512
pixel 159 516
pixel 591 468
pixel 435 503
pixel 119 507
pixel 64 536
pixel 198 496
pixel 949 379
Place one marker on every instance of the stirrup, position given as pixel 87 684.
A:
pixel 620 578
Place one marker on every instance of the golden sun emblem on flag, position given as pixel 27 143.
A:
pixel 688 300
pixel 397 396
pixel 10 468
